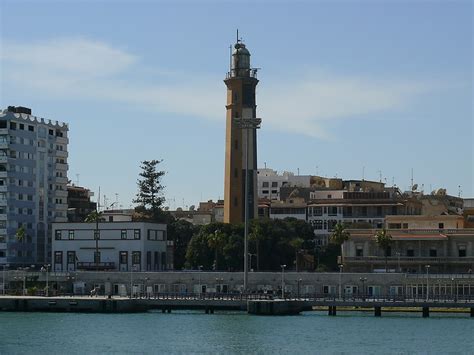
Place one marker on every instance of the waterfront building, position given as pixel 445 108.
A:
pixel 33 180
pixel 270 182
pixel 79 203
pixel 113 246
pixel 439 243
pixel 241 137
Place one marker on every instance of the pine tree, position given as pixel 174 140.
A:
pixel 150 190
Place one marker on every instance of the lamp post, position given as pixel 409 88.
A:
pixel 131 280
pixel 299 281
pixel 45 268
pixel 247 124
pixel 341 267
pixel 3 278
pixel 427 282
pixel 200 286
pixel 283 280
pixel 250 255
pixel 363 280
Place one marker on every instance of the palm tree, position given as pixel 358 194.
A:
pixel 95 217
pixel 216 241
pixel 339 236
pixel 296 244
pixel 384 241
pixel 257 236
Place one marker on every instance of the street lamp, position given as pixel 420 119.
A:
pixel 248 124
pixel 283 280
pixel 250 255
pixel 427 282
pixel 200 286
pixel 341 267
pixel 363 280
pixel 3 278
pixel 299 281
pixel 45 268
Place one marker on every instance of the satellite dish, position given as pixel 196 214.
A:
pixel 414 187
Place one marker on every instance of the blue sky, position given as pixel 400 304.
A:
pixel 343 85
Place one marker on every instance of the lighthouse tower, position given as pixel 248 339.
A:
pixel 241 138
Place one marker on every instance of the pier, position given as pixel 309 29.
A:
pixel 253 304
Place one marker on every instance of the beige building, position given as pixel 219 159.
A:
pixel 416 247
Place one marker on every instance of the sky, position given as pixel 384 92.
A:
pixel 347 88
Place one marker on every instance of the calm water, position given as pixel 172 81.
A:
pixel 228 332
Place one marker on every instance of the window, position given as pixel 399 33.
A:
pixel 123 234
pixel 13 126
pixel 31 128
pixel 274 183
pixel 123 257
pixel 364 211
pixel 317 211
pixel 96 234
pixel 433 252
pixel 329 196
pixel 359 251
pixel 71 257
pixel 57 235
pixel 136 257
pixel 441 225
pixel 265 184
pixel 96 257
pixel 462 251
pixel 58 257
pixel 71 235
pixel 379 210
pixel 394 210
pixel 318 224
pixel 136 234
pixel 332 211
pixel 410 252
pixel 22 126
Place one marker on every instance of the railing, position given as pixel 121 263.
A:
pixel 401 259
pixel 95 266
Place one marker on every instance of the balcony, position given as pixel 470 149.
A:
pixel 60 193
pixel 409 260
pixel 3 174
pixel 3 145
pixel 62 153
pixel 3 246
pixel 3 216
pixel 62 140
pixel 61 180
pixel 61 166
pixel 3 202
pixel 3 131
pixel 86 266
pixel 3 159
pixel 3 188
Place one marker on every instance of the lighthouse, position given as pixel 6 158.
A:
pixel 240 185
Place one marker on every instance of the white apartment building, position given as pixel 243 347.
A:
pixel 269 182
pixel 118 246
pixel 33 180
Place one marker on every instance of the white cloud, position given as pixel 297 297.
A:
pixel 86 69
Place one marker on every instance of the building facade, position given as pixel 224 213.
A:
pixel 270 182
pixel 241 137
pixel 79 203
pixel 113 246
pixel 33 180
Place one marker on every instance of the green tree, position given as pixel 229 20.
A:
pixel 180 232
pixel 256 236
pixel 150 190
pixel 216 242
pixel 95 217
pixel 339 236
pixel 384 241
pixel 296 244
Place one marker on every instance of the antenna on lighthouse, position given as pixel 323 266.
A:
pixel 237 36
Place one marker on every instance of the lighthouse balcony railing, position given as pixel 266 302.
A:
pixel 236 73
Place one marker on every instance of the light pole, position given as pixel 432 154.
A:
pixel 45 268
pixel 3 278
pixel 363 280
pixel 250 255
pixel 131 280
pixel 247 124
pixel 283 280
pixel 427 282
pixel 200 286
pixel 341 267
pixel 299 281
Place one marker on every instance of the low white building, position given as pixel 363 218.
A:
pixel 119 246
pixel 269 182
